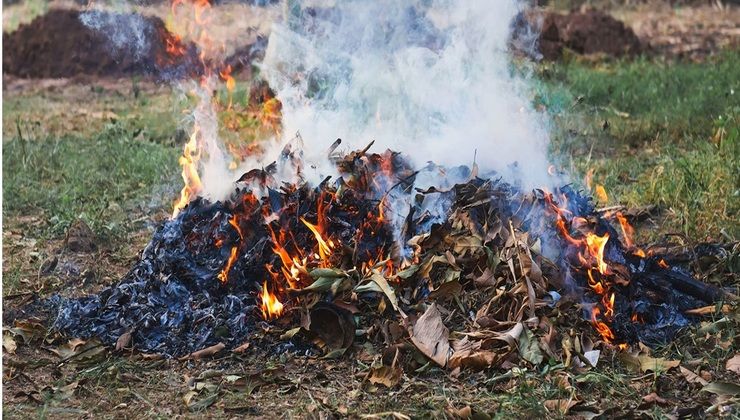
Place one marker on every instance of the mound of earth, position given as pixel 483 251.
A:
pixel 66 43
pixel 586 32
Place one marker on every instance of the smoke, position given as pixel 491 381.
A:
pixel 431 79
pixel 127 32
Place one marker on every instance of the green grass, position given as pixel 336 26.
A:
pixel 99 179
pixel 654 133
pixel 23 12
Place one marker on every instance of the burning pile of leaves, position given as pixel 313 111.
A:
pixel 473 273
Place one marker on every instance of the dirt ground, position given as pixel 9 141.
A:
pixel 46 375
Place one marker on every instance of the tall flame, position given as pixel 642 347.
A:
pixel 591 248
pixel 271 306
pixel 325 248
pixel 224 274
pixel 189 162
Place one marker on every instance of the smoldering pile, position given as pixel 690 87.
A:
pixel 470 273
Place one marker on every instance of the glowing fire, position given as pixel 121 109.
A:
pixel 191 20
pixel 189 162
pixel 590 255
pixel 596 245
pixel 271 306
pixel 325 247
pixel 224 274
pixel 627 231
pixel 600 193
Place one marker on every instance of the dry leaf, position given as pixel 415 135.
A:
pixel 388 376
pixel 468 355
pixel 79 348
pixel 653 398
pixel 335 326
pixel 645 363
pixel 28 330
pixel 529 347
pixel 242 348
pixel 708 310
pixel 431 336
pixel 486 279
pixel 66 391
pixel 733 364
pixel 446 291
pixel 9 344
pixel 692 377
pixel 560 406
pixel 722 388
pixel 123 341
pixel 208 351
pixel 460 413
pixel 377 283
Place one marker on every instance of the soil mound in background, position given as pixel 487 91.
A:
pixel 587 32
pixel 59 44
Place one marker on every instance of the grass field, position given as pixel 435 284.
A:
pixel 654 132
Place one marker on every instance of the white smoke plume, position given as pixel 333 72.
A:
pixel 126 32
pixel 429 78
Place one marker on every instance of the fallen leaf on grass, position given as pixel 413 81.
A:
pixel 722 388
pixel 66 391
pixel 653 398
pixel 560 406
pixel 28 330
pixel 123 341
pixel 692 377
pixel 468 354
pixel 208 351
pixel 77 348
pixel 733 364
pixel 645 363
pixel 466 412
pixel 9 344
pixel 385 415
pixel 194 404
pixel 242 348
pixel 388 376
pixel 431 337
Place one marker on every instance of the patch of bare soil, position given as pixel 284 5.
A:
pixel 686 32
pixel 59 44
pixel 585 32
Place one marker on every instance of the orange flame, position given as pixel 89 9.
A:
pixel 600 193
pixel 590 256
pixel 601 327
pixel 223 276
pixel 325 248
pixel 234 222
pixel 596 245
pixel 271 306
pixel 189 162
pixel 627 231
pixel 292 267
